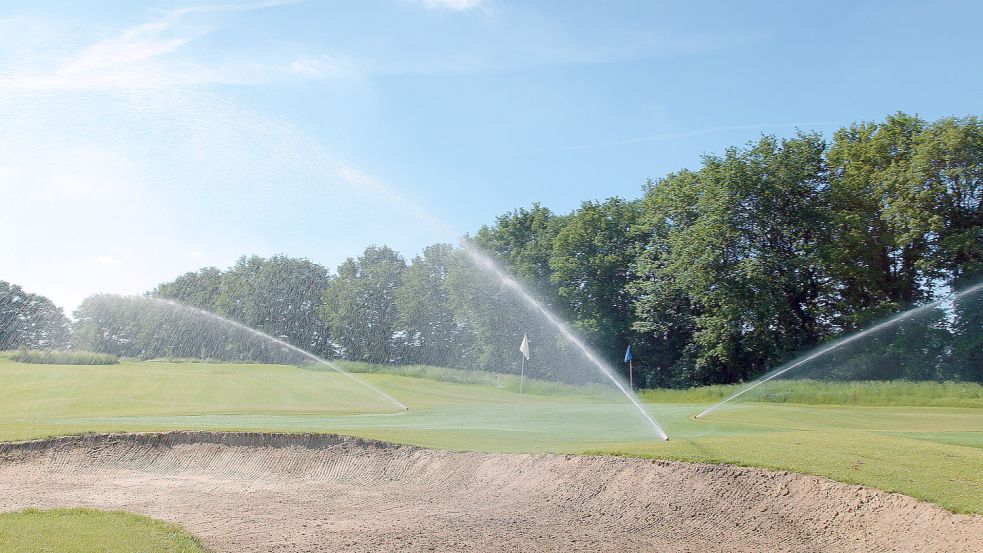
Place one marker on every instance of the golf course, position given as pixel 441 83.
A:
pixel 932 453
pixel 491 276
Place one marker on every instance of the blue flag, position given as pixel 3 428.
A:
pixel 628 355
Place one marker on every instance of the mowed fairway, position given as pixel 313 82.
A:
pixel 931 453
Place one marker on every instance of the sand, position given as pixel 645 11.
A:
pixel 276 492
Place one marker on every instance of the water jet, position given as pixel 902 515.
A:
pixel 900 317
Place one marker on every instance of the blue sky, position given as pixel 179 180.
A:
pixel 142 140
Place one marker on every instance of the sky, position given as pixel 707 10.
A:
pixel 141 140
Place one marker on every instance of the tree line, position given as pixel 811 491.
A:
pixel 714 275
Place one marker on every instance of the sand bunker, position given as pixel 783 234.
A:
pixel 274 492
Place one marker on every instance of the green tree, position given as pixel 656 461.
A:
pixel 30 320
pixel 432 333
pixel 359 306
pixel 523 241
pixel 944 200
pixel 590 264
pixel 878 232
pixel 108 323
pixel 745 253
pixel 499 315
pixel 280 296
pixel 199 289
pixel 664 314
pixel 147 328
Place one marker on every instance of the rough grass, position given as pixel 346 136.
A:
pixel 51 357
pixel 89 531
pixel 818 392
pixel 931 453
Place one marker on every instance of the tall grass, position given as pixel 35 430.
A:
pixel 818 392
pixel 50 357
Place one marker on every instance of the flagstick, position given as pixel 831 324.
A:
pixel 524 350
pixel 518 408
pixel 522 377
pixel 631 376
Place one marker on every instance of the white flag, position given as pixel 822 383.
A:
pixel 524 347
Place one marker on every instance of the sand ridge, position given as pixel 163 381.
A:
pixel 318 492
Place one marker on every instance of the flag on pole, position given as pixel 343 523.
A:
pixel 631 370
pixel 524 347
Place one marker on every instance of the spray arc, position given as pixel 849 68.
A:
pixel 263 336
pixel 840 343
pixel 484 262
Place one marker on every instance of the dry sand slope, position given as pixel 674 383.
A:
pixel 263 492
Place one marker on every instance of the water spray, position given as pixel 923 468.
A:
pixel 842 342
pixel 281 343
pixel 482 260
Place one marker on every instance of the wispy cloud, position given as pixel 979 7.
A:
pixel 157 38
pixel 135 57
pixel 136 44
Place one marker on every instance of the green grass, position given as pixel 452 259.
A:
pixel 817 392
pixel 87 531
pixel 933 453
pixel 51 357
pixel 445 374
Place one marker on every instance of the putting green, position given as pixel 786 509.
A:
pixel 932 453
